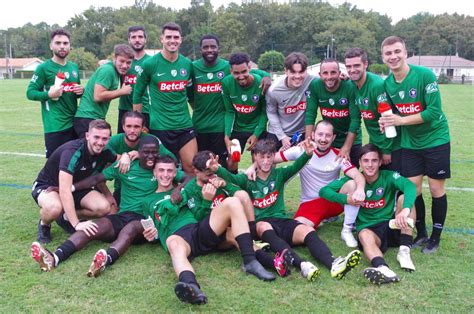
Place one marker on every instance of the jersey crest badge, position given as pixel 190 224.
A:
pixel 396 175
pixel 331 101
pixel 174 72
pixel 220 75
pixel 343 101
pixel 210 76
pixel 412 93
pixel 191 203
pixel 379 191
pixel 255 98
pixel 265 190
pixel 244 97
pixel 401 94
pixel 272 185
pixel 365 102
pixel 183 72
pixel 94 164
pixel 74 74
pixel 369 193
pixel 66 75
pixel 307 93
pixel 431 88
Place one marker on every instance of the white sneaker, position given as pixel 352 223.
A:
pixel 309 271
pixel 348 237
pixel 404 258
pixel 342 265
pixel 380 275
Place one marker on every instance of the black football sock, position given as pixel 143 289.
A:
pixel 406 240
pixel 244 241
pixel 420 216
pixel 253 229
pixel 112 256
pixel 64 251
pixel 188 276
pixel 378 261
pixel 265 259
pixel 318 249
pixel 439 209
pixel 278 245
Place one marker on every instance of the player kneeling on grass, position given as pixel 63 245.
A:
pixel 273 224
pixel 374 232
pixel 185 237
pixel 122 228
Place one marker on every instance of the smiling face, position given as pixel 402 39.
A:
pixel 370 164
pixel 295 76
pixel 122 64
pixel 241 73
pixel 147 155
pixel 209 50
pixel 356 68
pixel 264 161
pixel 96 140
pixel 165 173
pixel 395 56
pixel 171 40
pixel 324 137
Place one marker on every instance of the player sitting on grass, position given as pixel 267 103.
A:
pixel 372 224
pixel 184 236
pixel 122 228
pixel 273 224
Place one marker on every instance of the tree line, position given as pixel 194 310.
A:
pixel 313 27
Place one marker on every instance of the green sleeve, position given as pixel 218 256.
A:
pixel 36 86
pixel 407 187
pixel 260 72
pixel 113 144
pixel 229 116
pixel 331 191
pixel 165 151
pixel 293 169
pixel 262 123
pixel 106 78
pixel 111 172
pixel 432 98
pixel 311 104
pixel 179 175
pixel 238 179
pixel 143 80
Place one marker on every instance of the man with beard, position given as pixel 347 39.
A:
pixel 122 228
pixel 102 88
pixel 58 103
pixel 335 99
pixel 137 40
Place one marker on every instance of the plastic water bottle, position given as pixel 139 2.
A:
pixel 385 110
pixel 235 150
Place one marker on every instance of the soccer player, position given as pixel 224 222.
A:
pixel 191 228
pixel 167 76
pixel 273 224
pixel 425 137
pixel 286 102
pixel 70 163
pixel 335 99
pixel 321 170
pixel 58 103
pixel 102 87
pixel 137 38
pixel 126 144
pixel 206 98
pixel 245 116
pixel 374 233
pixel 370 92
pixel 123 227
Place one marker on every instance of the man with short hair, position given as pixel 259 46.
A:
pixel 167 76
pixel 273 224
pixel 137 38
pixel 102 88
pixel 123 227
pixel 58 103
pixel 374 231
pixel 202 222
pixel 335 99
pixel 286 102
pixel 425 139
pixel 321 170
pixel 370 93
pixel 70 163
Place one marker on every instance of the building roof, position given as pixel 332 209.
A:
pixel 19 62
pixel 441 61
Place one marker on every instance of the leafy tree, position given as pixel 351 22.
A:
pixel 379 68
pixel 85 60
pixel 271 61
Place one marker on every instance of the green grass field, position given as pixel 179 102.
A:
pixel 143 279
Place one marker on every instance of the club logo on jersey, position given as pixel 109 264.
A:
pixel 401 94
pixel 175 86
pixel 130 79
pixel 374 204
pixel 272 185
pixel 191 203
pixel 138 69
pixel 365 101
pixel 331 101
pixel 244 98
pixel 66 75
pixel 255 98
pixel 379 191
pixel 411 108
pixel 369 193
pixel 293 109
pixel 431 88
pixel 334 113
pixel 218 199
pixel 209 88
pixel 183 72
pixel 307 93
pixel 174 72
pixel 74 74
pixel 382 98
pixel 396 175
pixel 343 101
pixel 34 78
pixel 220 75
pixel 266 201
pixel 265 190
pixel 210 76
pixel 412 93
pixel 367 115
pixel 245 109
pixel 94 164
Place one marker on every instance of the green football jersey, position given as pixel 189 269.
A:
pixel 367 100
pixel 419 93
pixel 267 195
pixel 167 83
pixel 105 76
pixel 57 115
pixel 136 184
pixel 380 197
pixel 126 101
pixel 167 217
pixel 337 107
pixel 245 107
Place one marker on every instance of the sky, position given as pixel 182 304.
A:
pixel 16 13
